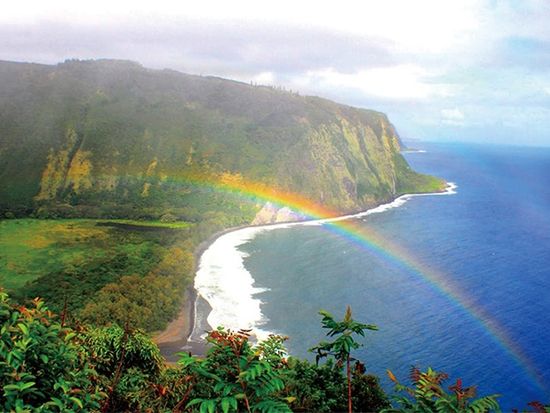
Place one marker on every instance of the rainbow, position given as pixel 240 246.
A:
pixel 392 253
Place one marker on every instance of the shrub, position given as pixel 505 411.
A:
pixel 42 365
pixel 428 394
pixel 127 362
pixel 236 376
pixel 322 388
pixel 168 218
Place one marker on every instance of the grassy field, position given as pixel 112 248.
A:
pixel 157 224
pixel 31 248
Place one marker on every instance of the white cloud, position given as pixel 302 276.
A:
pixel 264 78
pixel 419 26
pixel 394 82
pixel 452 117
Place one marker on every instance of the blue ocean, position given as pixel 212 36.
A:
pixel 490 241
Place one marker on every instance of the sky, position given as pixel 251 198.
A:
pixel 443 70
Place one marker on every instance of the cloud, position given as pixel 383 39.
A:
pixel 452 117
pixel 394 82
pixel 418 61
pixel 264 78
pixel 422 25
pixel 213 47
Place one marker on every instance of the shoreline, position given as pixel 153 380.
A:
pixel 176 337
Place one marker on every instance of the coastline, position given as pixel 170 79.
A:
pixel 176 337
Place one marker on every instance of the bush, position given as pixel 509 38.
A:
pixel 235 376
pixel 322 388
pixel 168 218
pixel 427 394
pixel 42 365
pixel 127 362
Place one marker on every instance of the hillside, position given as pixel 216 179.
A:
pixel 110 138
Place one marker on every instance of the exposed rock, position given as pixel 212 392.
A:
pixel 271 214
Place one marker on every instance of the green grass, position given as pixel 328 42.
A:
pixel 29 248
pixel 410 182
pixel 157 224
pixel 32 248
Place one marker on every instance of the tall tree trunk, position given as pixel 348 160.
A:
pixel 349 386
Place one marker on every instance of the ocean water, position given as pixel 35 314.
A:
pixel 475 305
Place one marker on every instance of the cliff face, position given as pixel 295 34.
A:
pixel 86 133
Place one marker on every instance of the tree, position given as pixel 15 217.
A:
pixel 322 388
pixel 342 346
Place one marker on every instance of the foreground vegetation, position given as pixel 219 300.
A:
pixel 47 365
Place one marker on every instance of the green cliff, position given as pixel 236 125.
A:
pixel 111 138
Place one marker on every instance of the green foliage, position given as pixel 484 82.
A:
pixel 110 346
pixel 166 221
pixel 344 343
pixel 167 392
pixel 39 256
pixel 235 376
pixel 74 286
pixel 273 350
pixel 126 361
pixel 132 300
pixel 47 367
pixel 322 388
pixel 410 182
pixel 316 388
pixel 168 218
pixel 427 394
pixel 368 396
pixel 95 272
pixel 42 367
pixel 144 302
pixel 344 330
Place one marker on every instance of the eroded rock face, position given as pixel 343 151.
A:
pixel 271 214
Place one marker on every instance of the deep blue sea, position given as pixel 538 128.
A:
pixel 490 240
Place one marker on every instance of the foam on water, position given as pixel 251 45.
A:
pixel 413 151
pixel 224 282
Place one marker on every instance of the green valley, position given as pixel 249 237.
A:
pixel 71 262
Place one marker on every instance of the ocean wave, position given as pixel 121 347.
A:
pixel 413 151
pixel 396 203
pixel 223 281
pixel 228 287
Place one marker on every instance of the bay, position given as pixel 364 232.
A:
pixel 490 242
